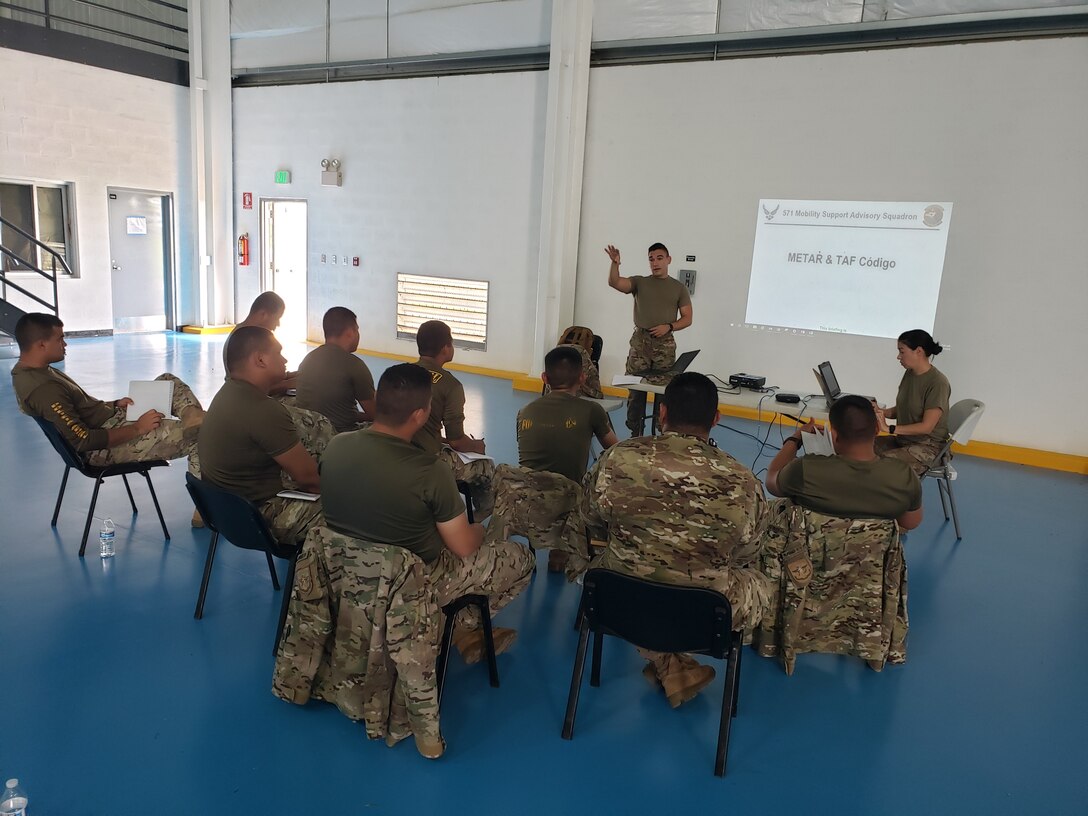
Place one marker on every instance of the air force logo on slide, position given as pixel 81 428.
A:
pixel 933 215
pixel 770 214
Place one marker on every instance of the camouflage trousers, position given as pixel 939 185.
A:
pixel 478 475
pixel 290 520
pixel 542 507
pixel 168 441
pixel 499 569
pixel 649 357
pixel 918 454
pixel 749 594
pixel 314 432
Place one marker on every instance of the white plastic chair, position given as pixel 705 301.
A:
pixel 963 418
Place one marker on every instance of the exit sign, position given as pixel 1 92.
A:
pixel 283 177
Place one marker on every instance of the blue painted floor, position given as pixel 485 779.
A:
pixel 116 701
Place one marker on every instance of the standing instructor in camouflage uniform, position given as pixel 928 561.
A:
pixel 658 300
pixel 673 508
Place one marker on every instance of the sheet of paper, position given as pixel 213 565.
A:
pixel 298 494
pixel 474 457
pixel 148 394
pixel 818 443
pixel 626 379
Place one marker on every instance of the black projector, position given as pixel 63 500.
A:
pixel 743 380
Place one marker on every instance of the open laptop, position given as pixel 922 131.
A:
pixel 683 361
pixel 829 383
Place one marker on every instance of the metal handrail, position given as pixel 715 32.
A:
pixel 32 267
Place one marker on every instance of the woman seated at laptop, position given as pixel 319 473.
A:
pixel 921 406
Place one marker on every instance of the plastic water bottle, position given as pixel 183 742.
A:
pixel 14 800
pixel 105 539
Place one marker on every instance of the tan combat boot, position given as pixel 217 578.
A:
pixel 470 642
pixel 684 678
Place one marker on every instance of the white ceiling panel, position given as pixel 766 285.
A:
pixel 644 19
pixel 766 15
pixel 419 28
pixel 906 9
pixel 357 31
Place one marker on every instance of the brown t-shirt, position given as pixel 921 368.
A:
pixel 382 489
pixel 242 431
pixel 657 300
pixel 55 397
pixel 447 408
pixel 917 394
pixel 555 431
pixel 331 381
pixel 836 486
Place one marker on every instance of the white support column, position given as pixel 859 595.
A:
pixel 212 161
pixel 564 152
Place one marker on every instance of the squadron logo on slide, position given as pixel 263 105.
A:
pixel 933 215
pixel 770 214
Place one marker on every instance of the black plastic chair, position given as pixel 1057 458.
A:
pixel 241 523
pixel 598 347
pixel 662 618
pixel 72 459
pixel 450 610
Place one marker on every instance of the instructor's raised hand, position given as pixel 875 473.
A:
pixel 613 254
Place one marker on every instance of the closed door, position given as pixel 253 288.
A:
pixel 140 260
pixel 284 248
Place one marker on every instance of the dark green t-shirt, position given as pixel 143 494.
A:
pixel 55 397
pixel 657 300
pixel 447 408
pixel 555 431
pixel 917 394
pixel 835 486
pixel 382 489
pixel 242 431
pixel 331 381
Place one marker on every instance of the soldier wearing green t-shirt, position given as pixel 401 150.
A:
pixel 381 487
pixel 332 380
pixel 662 308
pixel 855 482
pixel 435 343
pixel 99 431
pixel 921 406
pixel 554 436
pixel 248 439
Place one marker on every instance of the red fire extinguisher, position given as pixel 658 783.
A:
pixel 243 249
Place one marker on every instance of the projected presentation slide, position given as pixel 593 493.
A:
pixel 849 267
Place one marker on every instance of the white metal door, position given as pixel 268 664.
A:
pixel 284 251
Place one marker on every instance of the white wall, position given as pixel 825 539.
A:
pixel 65 122
pixel 681 153
pixel 441 176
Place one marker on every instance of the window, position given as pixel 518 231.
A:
pixel 42 211
pixel 462 304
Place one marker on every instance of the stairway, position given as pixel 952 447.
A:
pixel 16 274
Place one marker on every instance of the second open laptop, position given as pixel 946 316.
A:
pixel 829 383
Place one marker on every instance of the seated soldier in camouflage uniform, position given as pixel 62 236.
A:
pixel 554 436
pixel 857 577
pixel 332 380
pixel 674 508
pixel 435 343
pixel 380 487
pixel 855 482
pixel 662 308
pixel 249 440
pixel 580 339
pixel 98 430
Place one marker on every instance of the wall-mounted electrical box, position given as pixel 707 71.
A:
pixel 687 277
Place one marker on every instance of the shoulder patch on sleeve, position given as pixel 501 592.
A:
pixel 435 377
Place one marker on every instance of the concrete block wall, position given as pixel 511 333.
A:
pixel 93 128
